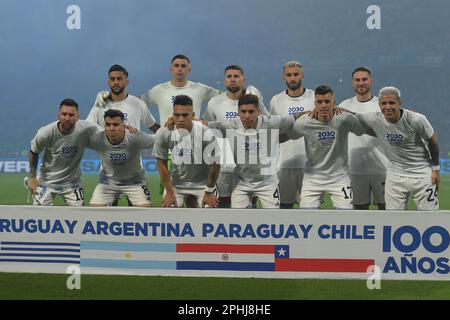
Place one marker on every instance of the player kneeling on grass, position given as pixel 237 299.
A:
pixel 121 170
pixel 410 144
pixel 195 159
pixel 63 143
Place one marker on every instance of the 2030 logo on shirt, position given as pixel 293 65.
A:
pixel 395 139
pixel 231 114
pixel 182 152
pixel 253 146
pixel 69 152
pixel 118 158
pixel 294 110
pixel 326 137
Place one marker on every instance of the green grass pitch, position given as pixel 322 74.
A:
pixel 51 286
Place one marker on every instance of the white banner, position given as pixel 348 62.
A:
pixel 224 242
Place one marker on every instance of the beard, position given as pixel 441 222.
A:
pixel 233 89
pixel 294 85
pixel 362 90
pixel 117 90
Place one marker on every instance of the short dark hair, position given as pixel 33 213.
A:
pixel 248 99
pixel 323 90
pixel 180 56
pixel 68 102
pixel 182 100
pixel 234 67
pixel 118 67
pixel 364 69
pixel 113 113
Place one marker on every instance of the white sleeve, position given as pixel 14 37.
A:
pixel 93 115
pixel 147 119
pixel 149 97
pixel 146 140
pixel 210 92
pixel 424 127
pixel 39 142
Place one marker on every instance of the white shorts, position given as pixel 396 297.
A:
pixel 106 194
pixel 339 190
pixel 73 195
pixel 182 194
pixel 422 191
pixel 367 186
pixel 269 198
pixel 225 184
pixel 290 184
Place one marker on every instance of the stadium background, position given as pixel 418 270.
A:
pixel 47 54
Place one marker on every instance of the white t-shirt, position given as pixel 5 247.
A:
pixel 256 151
pixel 62 153
pixel 403 142
pixel 221 108
pixel 134 109
pixel 189 150
pixel 121 164
pixel 326 145
pixel 365 158
pixel 163 94
pixel 292 152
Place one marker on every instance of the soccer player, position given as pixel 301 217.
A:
pixel 63 143
pixel 134 109
pixel 254 142
pixel 410 144
pixel 222 107
pixel 194 168
pixel 293 100
pixel 162 94
pixel 121 170
pixel 367 163
pixel 326 144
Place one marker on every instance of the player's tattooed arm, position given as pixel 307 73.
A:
pixel 169 199
pixel 33 160
pixel 433 146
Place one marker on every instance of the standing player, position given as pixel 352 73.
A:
pixel 254 142
pixel 121 170
pixel 294 99
pixel 134 109
pixel 367 163
pixel 222 107
pixel 194 170
pixel 63 143
pixel 162 95
pixel 326 143
pixel 410 143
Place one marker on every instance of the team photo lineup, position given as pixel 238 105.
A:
pixel 367 150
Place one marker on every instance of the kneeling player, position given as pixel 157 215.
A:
pixel 121 170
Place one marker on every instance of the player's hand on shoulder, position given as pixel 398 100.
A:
pixel 102 98
pixel 131 129
pixel 170 123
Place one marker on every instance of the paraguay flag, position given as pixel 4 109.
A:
pixel 206 256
